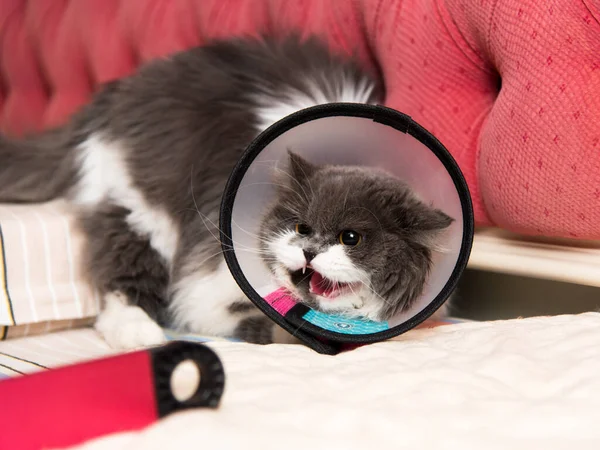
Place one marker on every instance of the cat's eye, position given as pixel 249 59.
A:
pixel 303 229
pixel 350 238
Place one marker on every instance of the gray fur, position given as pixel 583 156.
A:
pixel 181 124
pixel 36 169
pixel 240 307
pixel 258 330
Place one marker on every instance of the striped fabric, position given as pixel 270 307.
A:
pixel 49 326
pixel 34 353
pixel 41 284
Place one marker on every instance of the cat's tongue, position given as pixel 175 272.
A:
pixel 323 287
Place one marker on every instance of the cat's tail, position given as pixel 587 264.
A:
pixel 36 169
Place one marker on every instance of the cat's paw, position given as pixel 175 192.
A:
pixel 126 327
pixel 132 335
pixel 255 330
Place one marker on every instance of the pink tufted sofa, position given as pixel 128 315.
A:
pixel 512 88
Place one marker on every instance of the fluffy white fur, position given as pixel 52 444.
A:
pixel 200 302
pixel 127 327
pixel 333 264
pixel 273 110
pixel 291 256
pixel 336 265
pixel 104 175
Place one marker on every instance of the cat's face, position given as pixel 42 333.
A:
pixel 349 240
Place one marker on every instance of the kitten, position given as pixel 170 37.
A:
pixel 144 166
pixel 349 240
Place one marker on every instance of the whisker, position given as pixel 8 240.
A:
pixel 387 302
pixel 205 218
pixel 359 297
pixel 298 329
pixel 253 235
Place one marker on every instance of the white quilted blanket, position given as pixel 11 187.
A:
pixel 520 384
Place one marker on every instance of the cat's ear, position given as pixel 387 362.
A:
pixel 296 173
pixel 299 168
pixel 429 218
pixel 429 226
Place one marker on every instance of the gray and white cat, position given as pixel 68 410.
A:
pixel 145 163
pixel 349 240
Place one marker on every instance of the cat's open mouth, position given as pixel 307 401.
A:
pixel 319 285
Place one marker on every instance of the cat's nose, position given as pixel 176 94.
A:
pixel 309 255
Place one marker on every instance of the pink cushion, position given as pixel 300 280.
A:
pixel 530 150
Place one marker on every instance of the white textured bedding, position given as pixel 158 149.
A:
pixel 520 384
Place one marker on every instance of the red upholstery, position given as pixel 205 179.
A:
pixel 530 150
